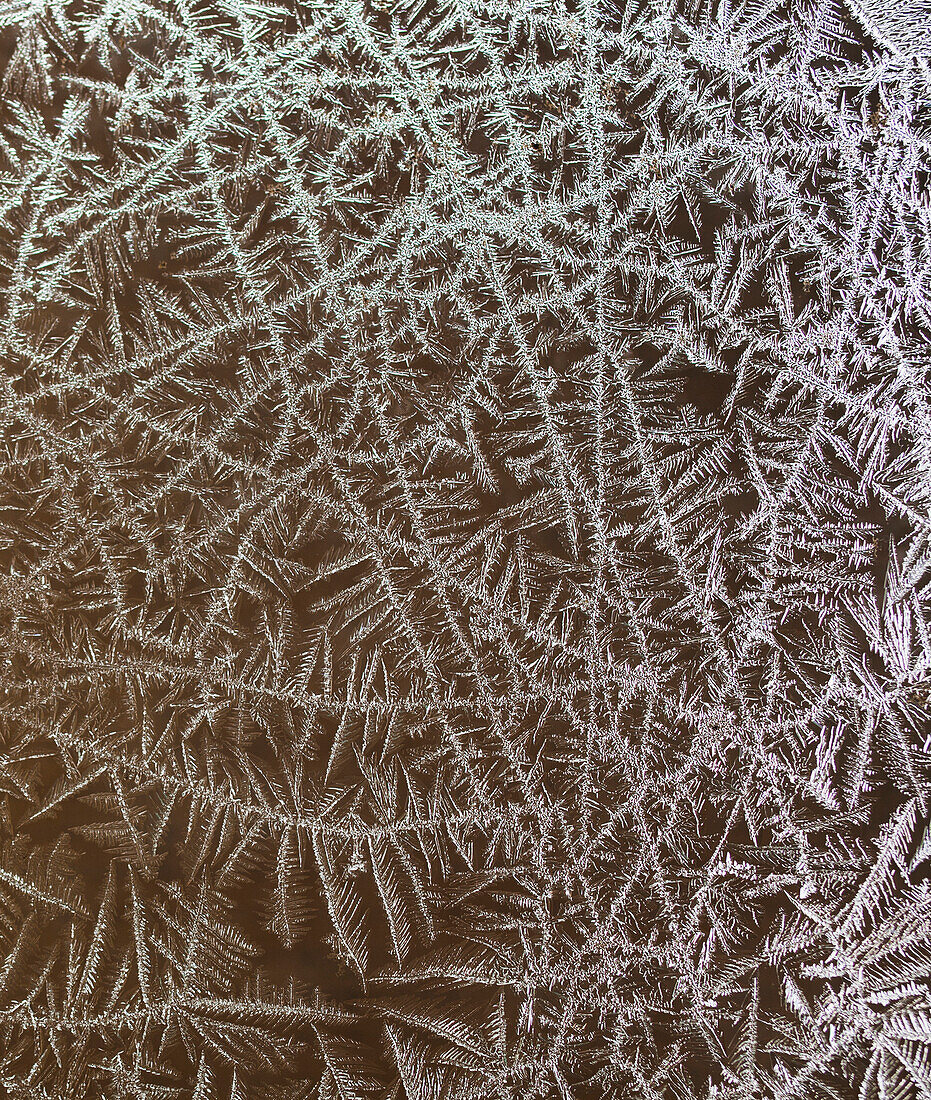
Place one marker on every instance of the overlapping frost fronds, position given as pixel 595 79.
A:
pixel 464 551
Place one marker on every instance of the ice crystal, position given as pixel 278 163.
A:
pixel 465 555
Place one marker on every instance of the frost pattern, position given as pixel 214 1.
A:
pixel 464 562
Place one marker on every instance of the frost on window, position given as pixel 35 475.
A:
pixel 465 553
pixel 904 27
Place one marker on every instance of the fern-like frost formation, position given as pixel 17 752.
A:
pixel 465 552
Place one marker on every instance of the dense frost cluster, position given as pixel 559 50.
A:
pixel 465 550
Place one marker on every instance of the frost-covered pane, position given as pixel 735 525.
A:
pixel 464 572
